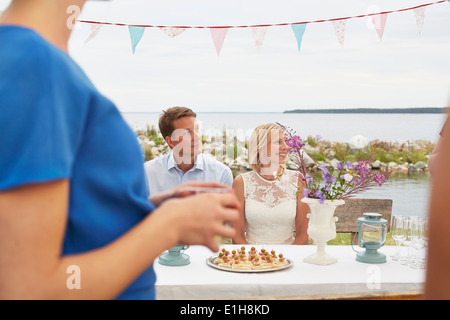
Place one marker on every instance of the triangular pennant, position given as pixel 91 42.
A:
pixel 172 32
pixel 339 29
pixel 258 35
pixel 379 21
pixel 136 34
pixel 299 31
pixel 218 36
pixel 420 17
pixel 95 28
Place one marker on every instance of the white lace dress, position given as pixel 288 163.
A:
pixel 270 208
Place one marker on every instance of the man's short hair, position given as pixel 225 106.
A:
pixel 168 116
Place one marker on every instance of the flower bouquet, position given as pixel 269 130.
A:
pixel 350 179
pixel 324 196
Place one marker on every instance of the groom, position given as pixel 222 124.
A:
pixel 185 163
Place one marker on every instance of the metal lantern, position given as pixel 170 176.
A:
pixel 371 236
pixel 175 256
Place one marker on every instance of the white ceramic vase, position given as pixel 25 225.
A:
pixel 321 228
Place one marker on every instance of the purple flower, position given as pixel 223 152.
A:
pixel 305 192
pixel 340 165
pixel 309 179
pixel 319 137
pixel 295 143
pixel 321 196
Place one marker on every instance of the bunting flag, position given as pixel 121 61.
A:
pixel 379 21
pixel 258 36
pixel 95 28
pixel 339 30
pixel 218 37
pixel 136 34
pixel 172 31
pixel 299 31
pixel 218 33
pixel 420 17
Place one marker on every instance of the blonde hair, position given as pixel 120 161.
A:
pixel 260 138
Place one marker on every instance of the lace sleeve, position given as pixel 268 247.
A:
pixel 246 178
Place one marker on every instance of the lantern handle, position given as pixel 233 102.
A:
pixel 353 240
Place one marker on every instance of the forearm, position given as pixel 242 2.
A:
pixel 301 239
pixel 239 239
pixel 106 272
pixel 102 273
pixel 31 265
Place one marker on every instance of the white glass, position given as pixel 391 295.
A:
pixel 407 242
pixel 425 243
pixel 411 240
pixel 195 190
pixel 417 231
pixel 398 234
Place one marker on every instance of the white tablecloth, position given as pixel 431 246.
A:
pixel 200 281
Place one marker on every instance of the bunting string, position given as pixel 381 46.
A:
pixel 262 25
pixel 218 33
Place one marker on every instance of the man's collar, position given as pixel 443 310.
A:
pixel 171 161
pixel 198 164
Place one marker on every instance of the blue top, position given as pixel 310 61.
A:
pixel 163 173
pixel 56 125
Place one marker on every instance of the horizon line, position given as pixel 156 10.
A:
pixel 330 110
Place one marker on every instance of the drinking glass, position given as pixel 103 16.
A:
pixel 419 236
pixel 398 234
pixel 417 242
pixel 199 189
pixel 425 242
pixel 407 242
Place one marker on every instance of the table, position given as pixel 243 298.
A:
pixel 200 281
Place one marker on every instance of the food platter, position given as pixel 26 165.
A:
pixel 245 260
pixel 210 262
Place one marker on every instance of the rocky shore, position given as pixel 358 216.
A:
pixel 405 157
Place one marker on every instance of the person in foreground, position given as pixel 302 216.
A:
pixel 270 209
pixel 185 163
pixel 437 283
pixel 75 218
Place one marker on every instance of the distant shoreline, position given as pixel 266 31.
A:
pixel 372 110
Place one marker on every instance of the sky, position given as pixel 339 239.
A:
pixel 404 69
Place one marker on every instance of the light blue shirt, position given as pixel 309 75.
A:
pixel 163 173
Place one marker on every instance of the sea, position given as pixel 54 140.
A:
pixel 331 126
pixel 410 192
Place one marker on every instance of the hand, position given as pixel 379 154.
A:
pixel 198 219
pixel 195 187
pixel 187 189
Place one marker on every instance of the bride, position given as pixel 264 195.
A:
pixel 270 209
